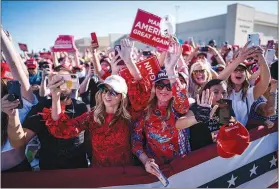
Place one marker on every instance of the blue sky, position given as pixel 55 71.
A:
pixel 39 23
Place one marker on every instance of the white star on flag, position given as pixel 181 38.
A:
pixel 273 162
pixel 232 181
pixel 253 170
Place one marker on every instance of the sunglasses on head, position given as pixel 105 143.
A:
pixel 198 71
pixel 161 86
pixel 111 91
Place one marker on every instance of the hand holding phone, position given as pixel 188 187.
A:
pixel 225 111
pixel 14 92
pixel 71 81
pixel 203 49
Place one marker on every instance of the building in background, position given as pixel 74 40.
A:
pixel 233 27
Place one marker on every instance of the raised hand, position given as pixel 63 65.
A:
pixel 204 112
pixel 55 81
pixel 126 51
pixel 245 52
pixel 173 56
pixel 9 107
pixel 114 67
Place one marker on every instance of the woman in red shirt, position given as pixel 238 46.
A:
pixel 107 123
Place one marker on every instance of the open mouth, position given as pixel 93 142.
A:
pixel 163 94
pixel 237 77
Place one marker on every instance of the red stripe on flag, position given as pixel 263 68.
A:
pixel 275 185
pixel 112 176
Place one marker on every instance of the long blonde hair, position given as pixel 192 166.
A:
pixel 195 88
pixel 100 110
pixel 152 105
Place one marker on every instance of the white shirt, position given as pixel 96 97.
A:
pixel 22 114
pixel 241 107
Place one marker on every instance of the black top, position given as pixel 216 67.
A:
pixel 58 153
pixel 203 134
pixel 88 97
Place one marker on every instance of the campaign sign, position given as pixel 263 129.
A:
pixel 64 43
pixel 146 29
pixel 148 68
pixel 23 47
pixel 45 55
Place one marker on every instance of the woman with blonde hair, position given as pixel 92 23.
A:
pixel 107 123
pixel 200 74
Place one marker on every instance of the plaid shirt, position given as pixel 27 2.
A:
pixel 183 141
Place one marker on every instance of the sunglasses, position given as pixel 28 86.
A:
pixel 161 86
pixel 31 68
pixel 195 72
pixel 239 70
pixel 111 91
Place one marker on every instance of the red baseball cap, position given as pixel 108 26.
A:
pixel 31 63
pixel 6 72
pixel 232 140
pixel 186 49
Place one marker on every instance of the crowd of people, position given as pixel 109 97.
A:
pixel 111 121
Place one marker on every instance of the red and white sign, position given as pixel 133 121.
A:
pixel 64 43
pixel 148 68
pixel 45 55
pixel 146 29
pixel 23 47
pixel 94 39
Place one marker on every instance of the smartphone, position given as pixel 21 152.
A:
pixel 162 177
pixel 269 56
pixel 255 39
pixel 204 49
pixel 270 44
pixel 225 111
pixel 14 92
pixel 71 81
pixel 94 39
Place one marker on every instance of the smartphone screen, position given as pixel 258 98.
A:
pixel 255 39
pixel 14 92
pixel 225 111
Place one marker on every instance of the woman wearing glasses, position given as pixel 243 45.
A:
pixel 107 123
pixel 239 89
pixel 200 74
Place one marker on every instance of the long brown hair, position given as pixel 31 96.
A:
pixel 245 85
pixel 100 110
pixel 4 116
pixel 152 105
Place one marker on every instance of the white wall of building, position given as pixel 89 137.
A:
pixel 233 27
